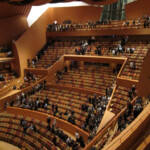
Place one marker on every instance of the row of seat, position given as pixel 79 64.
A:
pixel 67 101
pixel 119 99
pixel 11 131
pixel 30 82
pixel 7 77
pixel 59 48
pixel 139 23
pixel 97 79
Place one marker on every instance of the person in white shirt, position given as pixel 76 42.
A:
pixel 128 49
pixel 77 136
pixel 132 65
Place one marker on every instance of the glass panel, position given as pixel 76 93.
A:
pixel 115 11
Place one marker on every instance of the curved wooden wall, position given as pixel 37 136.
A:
pixel 43 117
pixel 11 28
pixel 32 40
pixel 144 81
pixel 137 9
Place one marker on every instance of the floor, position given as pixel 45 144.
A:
pixel 7 146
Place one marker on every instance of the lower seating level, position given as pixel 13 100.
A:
pixel 83 110
pixel 19 131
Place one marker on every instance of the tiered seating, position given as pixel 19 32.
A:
pixel 8 76
pixel 108 136
pixel 119 124
pixel 31 81
pixel 66 101
pixel 120 99
pixel 53 53
pixel 138 59
pixel 12 132
pixel 97 25
pixel 92 78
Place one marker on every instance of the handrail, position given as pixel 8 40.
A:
pixel 43 116
pixel 108 105
pixel 105 59
pixel 130 80
pixel 122 67
pixel 9 86
pixel 132 127
pixel 8 98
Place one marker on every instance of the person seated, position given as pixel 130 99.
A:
pixel 25 79
pixel 132 65
pixel 9 53
pixel 33 128
pixel 132 50
pixel 2 77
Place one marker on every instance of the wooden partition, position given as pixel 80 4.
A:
pixel 64 125
pixel 16 65
pixel 137 9
pixel 101 59
pixel 144 81
pixel 126 82
pixel 144 31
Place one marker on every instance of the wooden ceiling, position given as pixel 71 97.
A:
pixel 9 8
pixel 40 2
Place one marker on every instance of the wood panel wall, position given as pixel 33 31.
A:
pixel 144 81
pixel 11 28
pixel 137 9
pixel 32 40
pixel 76 14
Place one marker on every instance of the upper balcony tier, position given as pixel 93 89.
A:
pixel 97 28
